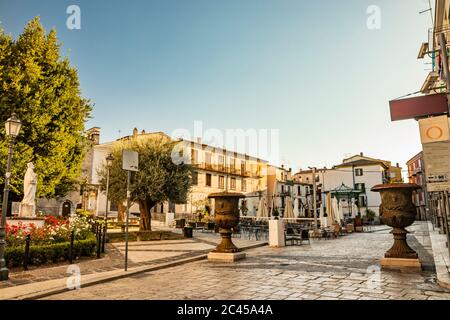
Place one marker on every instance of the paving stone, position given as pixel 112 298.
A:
pixel 303 273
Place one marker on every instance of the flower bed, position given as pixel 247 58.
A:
pixel 51 242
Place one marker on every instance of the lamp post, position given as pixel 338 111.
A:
pixel 12 126
pixel 109 162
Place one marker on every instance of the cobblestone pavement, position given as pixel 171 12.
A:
pixel 146 253
pixel 327 269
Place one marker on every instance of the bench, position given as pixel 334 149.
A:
pixel 296 235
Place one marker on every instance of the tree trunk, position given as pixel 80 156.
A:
pixel 121 210
pixel 145 207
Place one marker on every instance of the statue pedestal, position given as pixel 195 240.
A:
pixel 225 257
pixel 412 265
pixel 27 211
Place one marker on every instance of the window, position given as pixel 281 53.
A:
pixel 194 156
pixel 208 180
pixel 362 201
pixel 221 162
pixel 233 184
pixel 232 164
pixel 195 178
pixel 359 172
pixel 208 159
pixel 244 185
pixel 221 182
pixel 299 191
pixel 242 167
pixel 282 188
pixel 361 187
pixel 113 206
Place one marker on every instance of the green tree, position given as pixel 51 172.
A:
pixel 43 90
pixel 159 179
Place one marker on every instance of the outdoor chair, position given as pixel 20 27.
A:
pixel 293 235
pixel 305 235
pixel 237 232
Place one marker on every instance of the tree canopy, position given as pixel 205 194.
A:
pixel 43 89
pixel 159 179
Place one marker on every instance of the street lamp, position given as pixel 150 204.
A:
pixel 109 162
pixel 12 126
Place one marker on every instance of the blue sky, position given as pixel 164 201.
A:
pixel 309 68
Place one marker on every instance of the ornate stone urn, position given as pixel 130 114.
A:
pixel 398 211
pixel 226 218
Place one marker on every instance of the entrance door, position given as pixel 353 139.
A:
pixel 66 209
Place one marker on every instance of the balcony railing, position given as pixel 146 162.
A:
pixel 219 168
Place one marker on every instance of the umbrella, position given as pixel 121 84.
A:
pixel 296 211
pixel 262 208
pixel 354 209
pixel 336 212
pixel 341 211
pixel 288 209
pixel 331 216
pixel 302 210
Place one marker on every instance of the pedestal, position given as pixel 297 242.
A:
pixel 27 211
pixel 170 217
pixel 226 257
pixel 276 234
pixel 412 265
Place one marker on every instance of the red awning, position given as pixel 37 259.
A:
pixel 418 107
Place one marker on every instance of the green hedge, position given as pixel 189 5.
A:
pixel 51 253
pixel 143 236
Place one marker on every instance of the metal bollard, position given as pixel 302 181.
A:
pixel 27 253
pixel 99 241
pixel 104 238
pixel 72 238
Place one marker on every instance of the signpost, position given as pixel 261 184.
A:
pixel 130 163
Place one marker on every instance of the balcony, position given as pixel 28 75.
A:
pixel 220 168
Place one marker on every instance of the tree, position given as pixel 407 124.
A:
pixel 43 90
pixel 159 179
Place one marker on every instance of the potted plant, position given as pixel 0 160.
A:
pixel 276 213
pixel 244 208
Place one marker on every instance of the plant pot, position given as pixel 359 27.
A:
pixel 226 218
pixel 188 232
pixel 398 211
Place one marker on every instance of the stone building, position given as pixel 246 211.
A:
pixel 416 174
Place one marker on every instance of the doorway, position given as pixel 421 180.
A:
pixel 66 209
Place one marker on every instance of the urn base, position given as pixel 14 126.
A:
pixel 226 257
pixel 410 265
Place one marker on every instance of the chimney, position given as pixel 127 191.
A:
pixel 135 133
pixel 361 154
pixel 398 165
pixel 143 132
pixel 93 135
pixel 199 140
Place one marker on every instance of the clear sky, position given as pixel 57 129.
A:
pixel 309 68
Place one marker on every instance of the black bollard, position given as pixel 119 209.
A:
pixel 72 238
pixel 99 241
pixel 27 253
pixel 104 238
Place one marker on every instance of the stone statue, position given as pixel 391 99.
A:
pixel 28 205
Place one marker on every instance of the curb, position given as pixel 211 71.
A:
pixel 61 287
